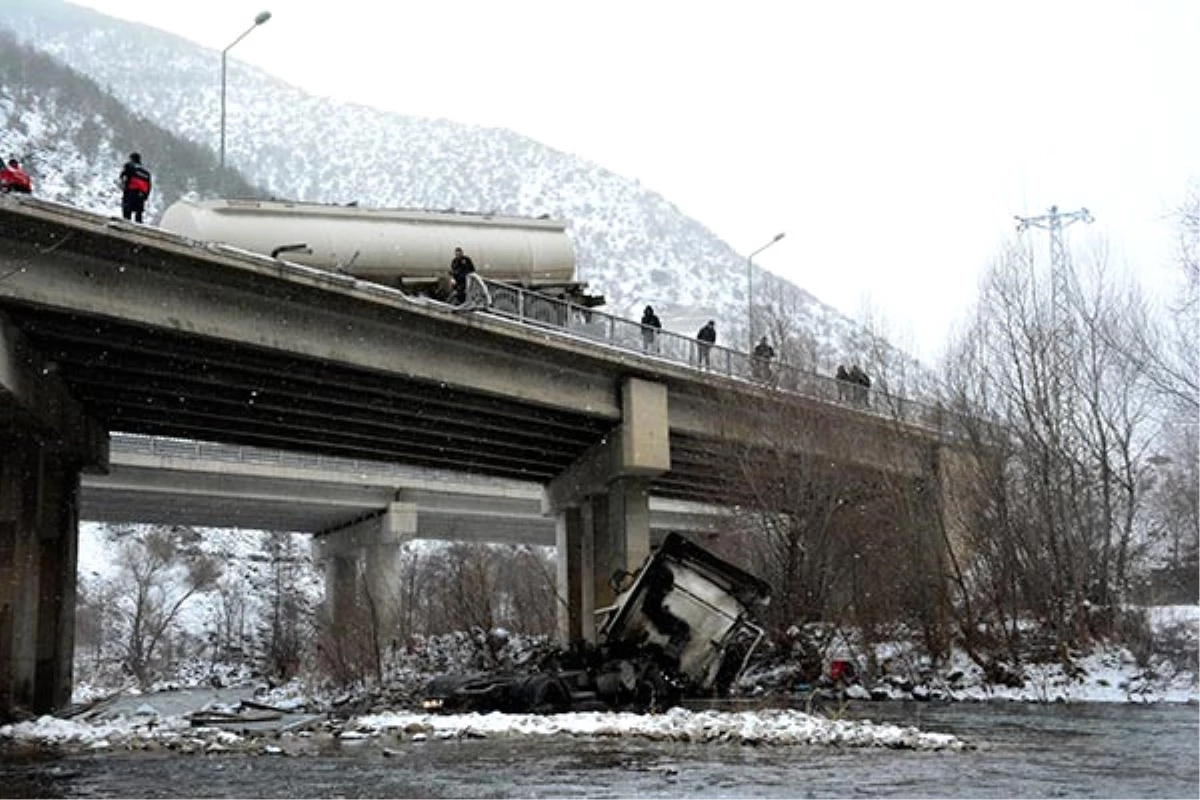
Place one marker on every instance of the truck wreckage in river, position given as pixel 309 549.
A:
pixel 681 627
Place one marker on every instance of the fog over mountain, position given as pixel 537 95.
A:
pixel 632 245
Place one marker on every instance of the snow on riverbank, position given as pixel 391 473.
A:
pixel 779 727
pixel 765 727
pixel 1108 675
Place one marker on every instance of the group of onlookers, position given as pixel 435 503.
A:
pixel 853 384
pixel 135 182
pixel 706 338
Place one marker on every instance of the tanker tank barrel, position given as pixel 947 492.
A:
pixel 409 249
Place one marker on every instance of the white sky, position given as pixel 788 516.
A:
pixel 893 142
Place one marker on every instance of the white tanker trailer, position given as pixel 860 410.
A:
pixel 407 249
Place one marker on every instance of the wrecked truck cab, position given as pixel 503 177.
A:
pixel 681 627
pixel 694 607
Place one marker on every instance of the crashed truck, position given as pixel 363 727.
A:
pixel 681 627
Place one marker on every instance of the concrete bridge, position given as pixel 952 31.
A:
pixel 107 326
pixel 154 480
pixel 356 510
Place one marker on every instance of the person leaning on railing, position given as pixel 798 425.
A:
pixel 651 325
pixel 706 337
pixel 761 363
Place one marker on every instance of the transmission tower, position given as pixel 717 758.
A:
pixel 1060 267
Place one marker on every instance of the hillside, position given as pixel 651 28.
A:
pixel 632 244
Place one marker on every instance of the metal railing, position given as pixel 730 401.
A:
pixel 532 308
pixel 195 450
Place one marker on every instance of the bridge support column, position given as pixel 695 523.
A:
pixel 45 441
pixel 39 501
pixel 576 592
pixel 341 587
pixel 602 502
pixel 622 534
pixel 362 567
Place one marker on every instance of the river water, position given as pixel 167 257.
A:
pixel 1021 750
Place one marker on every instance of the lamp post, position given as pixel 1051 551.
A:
pixel 262 17
pixel 750 289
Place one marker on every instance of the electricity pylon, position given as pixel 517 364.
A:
pixel 1060 266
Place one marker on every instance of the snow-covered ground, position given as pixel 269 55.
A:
pixel 146 729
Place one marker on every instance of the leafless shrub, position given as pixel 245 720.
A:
pixel 155 581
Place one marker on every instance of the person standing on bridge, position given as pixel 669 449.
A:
pixel 862 384
pixel 705 340
pixel 460 268
pixel 15 179
pixel 843 378
pixel 135 188
pixel 763 353
pixel 651 325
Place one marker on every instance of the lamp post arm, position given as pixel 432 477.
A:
pixel 765 246
pixel 243 36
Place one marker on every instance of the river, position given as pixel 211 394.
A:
pixel 1021 750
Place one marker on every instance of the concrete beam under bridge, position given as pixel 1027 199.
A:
pixel 204 484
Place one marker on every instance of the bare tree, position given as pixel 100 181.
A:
pixel 526 579
pixel 350 643
pixel 158 579
pixel 288 624
pixel 784 320
pixel 1171 487
pixel 1172 351
pixel 230 632
pixel 95 624
pixel 845 539
pixel 1061 478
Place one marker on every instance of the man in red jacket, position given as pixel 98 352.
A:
pixel 135 188
pixel 15 179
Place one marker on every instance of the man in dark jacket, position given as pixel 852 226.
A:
pixel 705 339
pixel 651 325
pixel 862 384
pixel 135 188
pixel 460 268
pixel 763 353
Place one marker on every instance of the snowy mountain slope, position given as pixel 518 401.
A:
pixel 632 244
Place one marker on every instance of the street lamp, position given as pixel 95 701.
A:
pixel 262 17
pixel 750 289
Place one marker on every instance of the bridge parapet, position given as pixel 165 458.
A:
pixel 532 308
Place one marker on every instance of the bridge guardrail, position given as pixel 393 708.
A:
pixel 241 454
pixel 531 308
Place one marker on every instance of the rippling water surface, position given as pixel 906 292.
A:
pixel 1085 750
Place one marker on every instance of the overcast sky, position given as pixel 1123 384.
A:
pixel 893 142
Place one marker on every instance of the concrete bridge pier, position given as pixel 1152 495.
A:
pixel 45 442
pixel 38 552
pixel 602 508
pixel 362 565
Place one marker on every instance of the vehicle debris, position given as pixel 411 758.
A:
pixel 682 627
